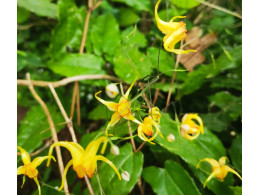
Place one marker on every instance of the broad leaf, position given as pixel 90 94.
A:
pixel 186 4
pixel 137 4
pixel 236 153
pixel 172 179
pixel 132 37
pixel 40 7
pixel 29 134
pixel 126 161
pixel 105 35
pixel 77 64
pixel 127 17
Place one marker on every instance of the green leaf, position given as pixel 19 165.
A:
pixel 236 189
pixel 228 103
pixel 186 4
pixel 25 59
pixel 29 134
pixel 198 77
pixel 173 11
pixel 215 121
pixel 40 7
pixel 127 17
pixel 126 161
pixel 100 112
pixel 172 179
pixel 128 74
pixel 132 37
pixel 165 87
pixel 236 153
pixel 105 35
pixel 205 146
pixel 22 15
pixel 77 64
pixel 137 4
pixel 166 63
pixel 67 34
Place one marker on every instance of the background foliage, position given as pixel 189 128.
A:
pixel 48 41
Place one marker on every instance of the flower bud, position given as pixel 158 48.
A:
pixel 114 150
pixel 112 90
pixel 125 175
pixel 185 128
pixel 170 138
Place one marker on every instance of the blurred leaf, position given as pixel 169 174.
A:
pixel 77 64
pixel 68 33
pixel 128 73
pixel 173 11
pixel 126 161
pixel 50 188
pixel 29 134
pixel 100 112
pixel 233 81
pixel 219 23
pixel 236 189
pixel 133 38
pixel 40 7
pixel 196 78
pixel 137 4
pixel 22 15
pixel 105 35
pixel 25 59
pixel 228 103
pixel 165 87
pixel 166 63
pixel 186 4
pixel 173 179
pixel 205 146
pixel 215 121
pixel 236 153
pixel 127 17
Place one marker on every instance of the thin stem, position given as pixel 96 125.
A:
pixel 67 80
pixel 78 106
pixel 131 135
pixel 145 97
pixel 84 36
pixel 173 78
pixel 89 185
pixel 156 96
pixel 53 130
pixel 140 147
pixel 74 95
pixel 64 114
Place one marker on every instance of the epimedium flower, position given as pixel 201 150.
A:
pixel 219 169
pixel 174 32
pixel 29 168
pixel 84 161
pixel 120 109
pixel 112 90
pixel 189 129
pixel 155 113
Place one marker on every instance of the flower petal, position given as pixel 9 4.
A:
pixel 223 160
pixel 20 170
pixel 130 117
pixel 209 178
pixel 37 161
pixel 24 155
pixel 93 146
pixel 128 91
pixel 110 105
pixel 114 119
pixel 99 157
pixel 212 161
pixel 65 173
pixel 75 149
pixel 227 168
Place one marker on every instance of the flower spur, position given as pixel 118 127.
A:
pixel 84 161
pixel 29 167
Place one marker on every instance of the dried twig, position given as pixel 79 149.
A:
pixel 67 80
pixel 131 135
pixel 53 130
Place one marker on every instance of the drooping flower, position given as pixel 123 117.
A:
pixel 174 32
pixel 155 114
pixel 189 129
pixel 146 128
pixel 84 161
pixel 121 109
pixel 29 168
pixel 219 169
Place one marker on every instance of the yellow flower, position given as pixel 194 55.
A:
pixel 155 113
pixel 121 109
pixel 219 169
pixel 189 129
pixel 146 128
pixel 84 161
pixel 174 32
pixel 29 167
